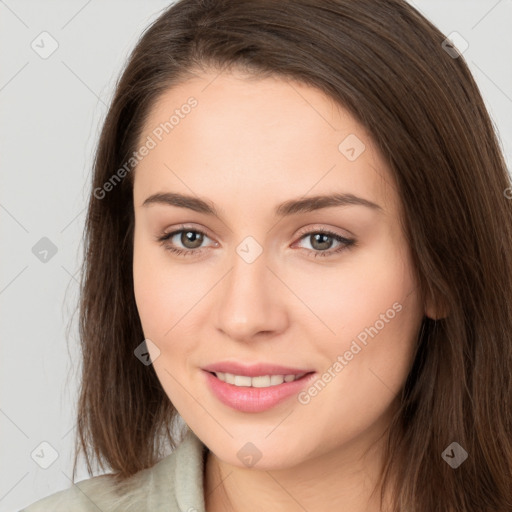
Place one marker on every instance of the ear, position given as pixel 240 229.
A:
pixel 436 311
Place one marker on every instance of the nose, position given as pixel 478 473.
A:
pixel 250 301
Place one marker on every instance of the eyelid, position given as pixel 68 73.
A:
pixel 303 231
pixel 321 227
pixel 346 243
pixel 184 227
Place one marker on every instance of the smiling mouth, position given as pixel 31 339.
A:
pixel 261 381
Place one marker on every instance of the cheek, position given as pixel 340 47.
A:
pixel 376 320
pixel 353 294
pixel 378 325
pixel 160 306
pixel 156 293
pixel 167 297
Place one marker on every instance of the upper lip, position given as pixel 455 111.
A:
pixel 253 370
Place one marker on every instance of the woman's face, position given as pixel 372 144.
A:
pixel 263 285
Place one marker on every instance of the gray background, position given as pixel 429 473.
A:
pixel 52 109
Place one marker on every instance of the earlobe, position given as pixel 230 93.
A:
pixel 436 311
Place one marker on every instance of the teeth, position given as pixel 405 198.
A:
pixel 263 381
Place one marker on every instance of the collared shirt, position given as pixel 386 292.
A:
pixel 174 484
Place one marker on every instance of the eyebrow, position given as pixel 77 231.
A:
pixel 290 207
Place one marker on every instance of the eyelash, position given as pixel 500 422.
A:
pixel 347 243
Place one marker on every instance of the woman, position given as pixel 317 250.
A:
pixel 299 242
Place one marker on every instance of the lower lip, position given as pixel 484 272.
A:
pixel 249 399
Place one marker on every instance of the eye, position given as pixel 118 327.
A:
pixel 191 239
pixel 322 240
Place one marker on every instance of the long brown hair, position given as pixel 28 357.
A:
pixel 387 65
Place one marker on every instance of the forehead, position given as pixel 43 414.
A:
pixel 258 138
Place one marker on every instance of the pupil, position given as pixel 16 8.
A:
pixel 191 237
pixel 324 244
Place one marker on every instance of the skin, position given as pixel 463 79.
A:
pixel 249 145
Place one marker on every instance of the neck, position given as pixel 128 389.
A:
pixel 341 478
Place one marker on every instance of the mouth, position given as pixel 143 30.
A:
pixel 260 381
pixel 258 393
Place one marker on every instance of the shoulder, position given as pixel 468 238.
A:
pixel 91 494
pixel 175 481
